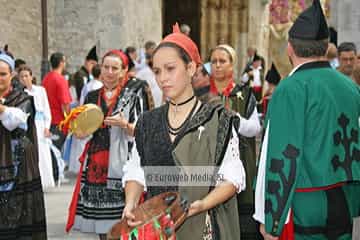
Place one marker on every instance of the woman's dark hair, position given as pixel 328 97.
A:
pixel 25 68
pixel 181 52
pixel 28 69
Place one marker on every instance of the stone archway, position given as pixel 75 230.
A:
pixel 182 11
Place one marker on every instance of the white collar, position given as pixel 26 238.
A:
pixel 29 91
pixel 297 67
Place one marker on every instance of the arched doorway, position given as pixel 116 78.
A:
pixel 182 11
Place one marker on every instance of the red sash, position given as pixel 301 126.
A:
pixel 257 89
pixel 75 196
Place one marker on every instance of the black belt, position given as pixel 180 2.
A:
pixel 321 230
pixel 338 220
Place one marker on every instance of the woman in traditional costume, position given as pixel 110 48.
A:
pixel 99 199
pixel 241 100
pixel 42 122
pixel 186 132
pixel 21 197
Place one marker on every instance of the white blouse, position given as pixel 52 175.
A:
pixel 41 103
pixel 13 118
pixel 250 127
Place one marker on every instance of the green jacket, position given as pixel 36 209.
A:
pixel 313 137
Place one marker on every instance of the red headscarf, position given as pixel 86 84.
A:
pixel 123 57
pixel 184 42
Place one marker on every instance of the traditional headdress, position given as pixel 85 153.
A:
pixel 184 42
pixel 311 24
pixel 92 55
pixel 7 59
pixel 119 53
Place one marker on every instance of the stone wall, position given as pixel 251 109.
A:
pixel 75 26
pixel 345 17
pixel 21 29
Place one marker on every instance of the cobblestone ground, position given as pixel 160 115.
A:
pixel 57 201
pixel 356 233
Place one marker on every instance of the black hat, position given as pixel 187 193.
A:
pixel 311 24
pixel 273 76
pixel 92 54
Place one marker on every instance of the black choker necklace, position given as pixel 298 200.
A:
pixel 182 103
pixel 175 131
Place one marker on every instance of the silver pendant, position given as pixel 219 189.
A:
pixel 108 94
pixel 175 110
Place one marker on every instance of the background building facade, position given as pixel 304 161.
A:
pixel 74 26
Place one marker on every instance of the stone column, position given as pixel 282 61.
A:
pixel 204 29
pixel 223 23
pixel 258 31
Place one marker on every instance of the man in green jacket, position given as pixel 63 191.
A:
pixel 309 170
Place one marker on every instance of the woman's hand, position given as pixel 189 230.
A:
pixel 218 195
pixel 127 213
pixel 120 121
pixel 117 120
pixel 196 207
pixel 47 133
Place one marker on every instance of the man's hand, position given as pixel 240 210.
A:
pixel 266 235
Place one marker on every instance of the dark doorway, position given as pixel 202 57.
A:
pixel 182 11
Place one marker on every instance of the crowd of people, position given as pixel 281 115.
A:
pixel 164 107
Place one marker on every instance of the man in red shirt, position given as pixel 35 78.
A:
pixel 57 89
